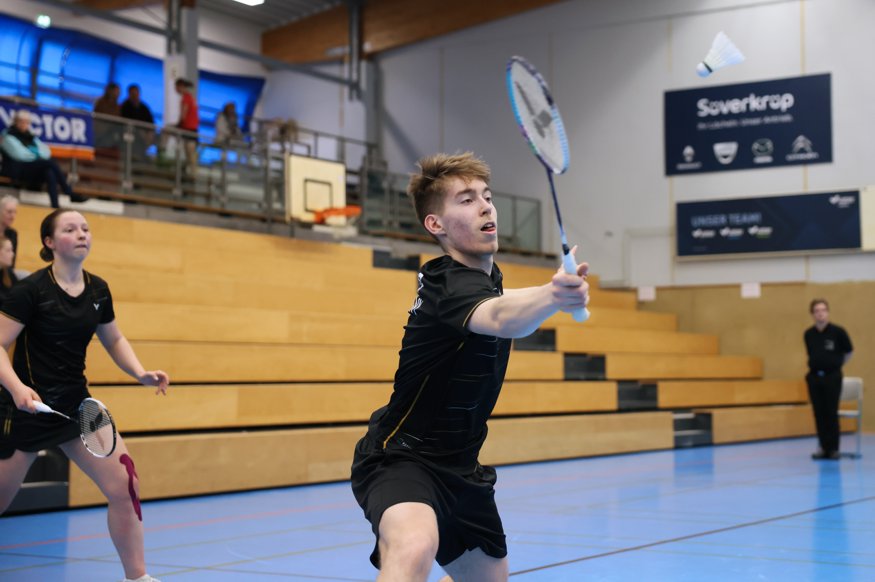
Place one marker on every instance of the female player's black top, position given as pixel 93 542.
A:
pixel 448 377
pixel 50 351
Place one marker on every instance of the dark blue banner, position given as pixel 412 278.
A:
pixel 801 222
pixel 68 134
pixel 750 125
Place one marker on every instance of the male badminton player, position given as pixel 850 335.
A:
pixel 416 473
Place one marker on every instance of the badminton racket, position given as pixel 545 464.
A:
pixel 96 427
pixel 541 125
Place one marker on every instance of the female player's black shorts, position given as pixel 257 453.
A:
pixel 467 516
pixel 32 433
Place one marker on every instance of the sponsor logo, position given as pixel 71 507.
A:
pixel 704 233
pixel 50 126
pixel 689 162
pixel 725 151
pixel 689 154
pixel 762 150
pixel 842 201
pixel 803 150
pixel 760 231
pixel 751 103
pixel 728 232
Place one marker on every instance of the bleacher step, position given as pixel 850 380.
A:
pixel 692 429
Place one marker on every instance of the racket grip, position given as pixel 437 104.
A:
pixel 579 315
pixel 42 407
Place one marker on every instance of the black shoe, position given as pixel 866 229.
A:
pixel 78 198
pixel 820 455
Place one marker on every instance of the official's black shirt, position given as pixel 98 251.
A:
pixel 50 351
pixel 827 348
pixel 448 378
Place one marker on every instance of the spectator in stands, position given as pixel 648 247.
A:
pixel 60 308
pixel 416 472
pixel 228 129
pixel 829 348
pixel 7 274
pixel 27 160
pixel 134 108
pixel 8 212
pixel 189 122
pixel 107 133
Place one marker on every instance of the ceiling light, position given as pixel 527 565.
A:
pixel 43 21
pixel 250 2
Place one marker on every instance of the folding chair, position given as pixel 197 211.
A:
pixel 852 390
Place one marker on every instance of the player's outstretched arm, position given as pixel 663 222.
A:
pixel 519 312
pixel 121 352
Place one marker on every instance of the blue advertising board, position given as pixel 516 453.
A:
pixel 750 125
pixel 794 223
pixel 68 134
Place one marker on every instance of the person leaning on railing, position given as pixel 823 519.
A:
pixel 106 133
pixel 28 161
pixel 134 108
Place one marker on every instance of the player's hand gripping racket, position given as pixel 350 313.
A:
pixel 541 125
pixel 96 426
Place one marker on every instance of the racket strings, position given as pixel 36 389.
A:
pixel 97 429
pixel 537 115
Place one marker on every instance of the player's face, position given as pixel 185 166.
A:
pixel 6 254
pixel 820 313
pixel 72 237
pixel 468 223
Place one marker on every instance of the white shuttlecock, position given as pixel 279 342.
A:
pixel 723 53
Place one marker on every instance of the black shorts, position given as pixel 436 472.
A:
pixel 467 516
pixel 32 433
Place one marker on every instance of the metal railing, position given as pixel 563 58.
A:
pixel 246 175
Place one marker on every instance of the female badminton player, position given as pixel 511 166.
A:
pixel 54 313
pixel 416 473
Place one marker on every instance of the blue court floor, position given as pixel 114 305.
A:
pixel 759 512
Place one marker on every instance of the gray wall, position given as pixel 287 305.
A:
pixel 609 63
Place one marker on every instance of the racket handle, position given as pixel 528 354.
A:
pixel 579 315
pixel 42 407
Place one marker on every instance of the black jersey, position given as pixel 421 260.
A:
pixel 827 348
pixel 50 351
pixel 448 377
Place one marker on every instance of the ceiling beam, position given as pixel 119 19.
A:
pixel 116 4
pixel 386 24
pixel 267 61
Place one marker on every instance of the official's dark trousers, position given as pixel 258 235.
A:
pixel 824 392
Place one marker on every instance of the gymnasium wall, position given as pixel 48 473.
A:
pixel 772 325
pixel 609 64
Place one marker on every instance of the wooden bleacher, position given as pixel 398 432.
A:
pixel 279 350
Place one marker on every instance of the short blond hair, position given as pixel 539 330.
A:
pixel 427 188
